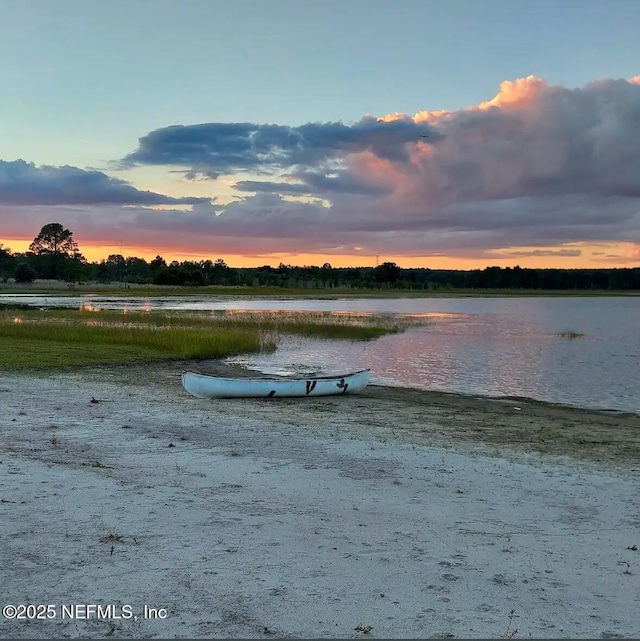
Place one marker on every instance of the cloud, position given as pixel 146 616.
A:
pixel 23 183
pixel 538 170
pixel 531 139
pixel 226 148
pixel 534 252
pixel 268 223
pixel 629 253
pixel 273 187
pixel 316 183
pixel 534 140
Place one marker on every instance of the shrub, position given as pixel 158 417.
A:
pixel 25 273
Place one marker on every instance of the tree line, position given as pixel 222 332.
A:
pixel 54 254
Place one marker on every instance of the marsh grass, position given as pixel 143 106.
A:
pixel 54 339
pixel 61 288
pixel 570 335
pixel 346 325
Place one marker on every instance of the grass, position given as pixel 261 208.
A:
pixel 344 325
pixel 570 335
pixel 56 288
pixel 59 339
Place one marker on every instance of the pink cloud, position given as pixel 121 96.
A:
pixel 535 139
pixel 537 165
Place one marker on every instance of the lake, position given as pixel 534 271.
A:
pixel 488 346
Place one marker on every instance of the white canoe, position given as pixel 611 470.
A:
pixel 203 386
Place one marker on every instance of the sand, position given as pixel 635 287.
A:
pixel 395 513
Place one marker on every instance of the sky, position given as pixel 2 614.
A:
pixel 458 134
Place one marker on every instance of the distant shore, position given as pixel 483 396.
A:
pixel 61 288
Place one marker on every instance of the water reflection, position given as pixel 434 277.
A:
pixel 492 346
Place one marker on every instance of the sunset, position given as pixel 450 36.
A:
pixel 319 319
pixel 510 158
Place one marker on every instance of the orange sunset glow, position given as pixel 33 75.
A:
pixel 594 257
pixel 512 180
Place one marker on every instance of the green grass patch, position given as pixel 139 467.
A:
pixel 56 339
pixel 17 354
pixel 338 325
pixel 46 340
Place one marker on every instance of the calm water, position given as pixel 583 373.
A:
pixel 490 346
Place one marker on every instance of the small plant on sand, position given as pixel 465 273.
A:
pixel 510 631
pixel 508 547
pixel 111 536
pixel 177 482
pixel 98 464
pixel 107 533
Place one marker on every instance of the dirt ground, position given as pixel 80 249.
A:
pixel 492 425
pixel 394 513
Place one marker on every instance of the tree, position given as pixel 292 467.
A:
pixel 54 239
pixel 75 269
pixel 137 270
pixel 387 273
pixel 7 262
pixel 24 273
pixel 157 265
pixel 118 266
pixel 219 273
pixel 54 246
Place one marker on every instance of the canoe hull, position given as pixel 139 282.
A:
pixel 202 386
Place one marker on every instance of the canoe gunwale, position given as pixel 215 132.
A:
pixel 266 379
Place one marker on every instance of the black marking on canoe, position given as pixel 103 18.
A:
pixel 271 394
pixel 311 385
pixel 342 385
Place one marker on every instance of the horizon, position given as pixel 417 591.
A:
pixel 452 136
pixel 260 262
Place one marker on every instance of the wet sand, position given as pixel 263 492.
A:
pixel 393 513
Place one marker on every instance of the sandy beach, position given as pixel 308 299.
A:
pixel 394 513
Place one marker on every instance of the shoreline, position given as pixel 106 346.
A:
pixel 419 514
pixel 133 290
pixel 494 425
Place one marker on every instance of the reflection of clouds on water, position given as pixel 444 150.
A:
pixel 489 346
